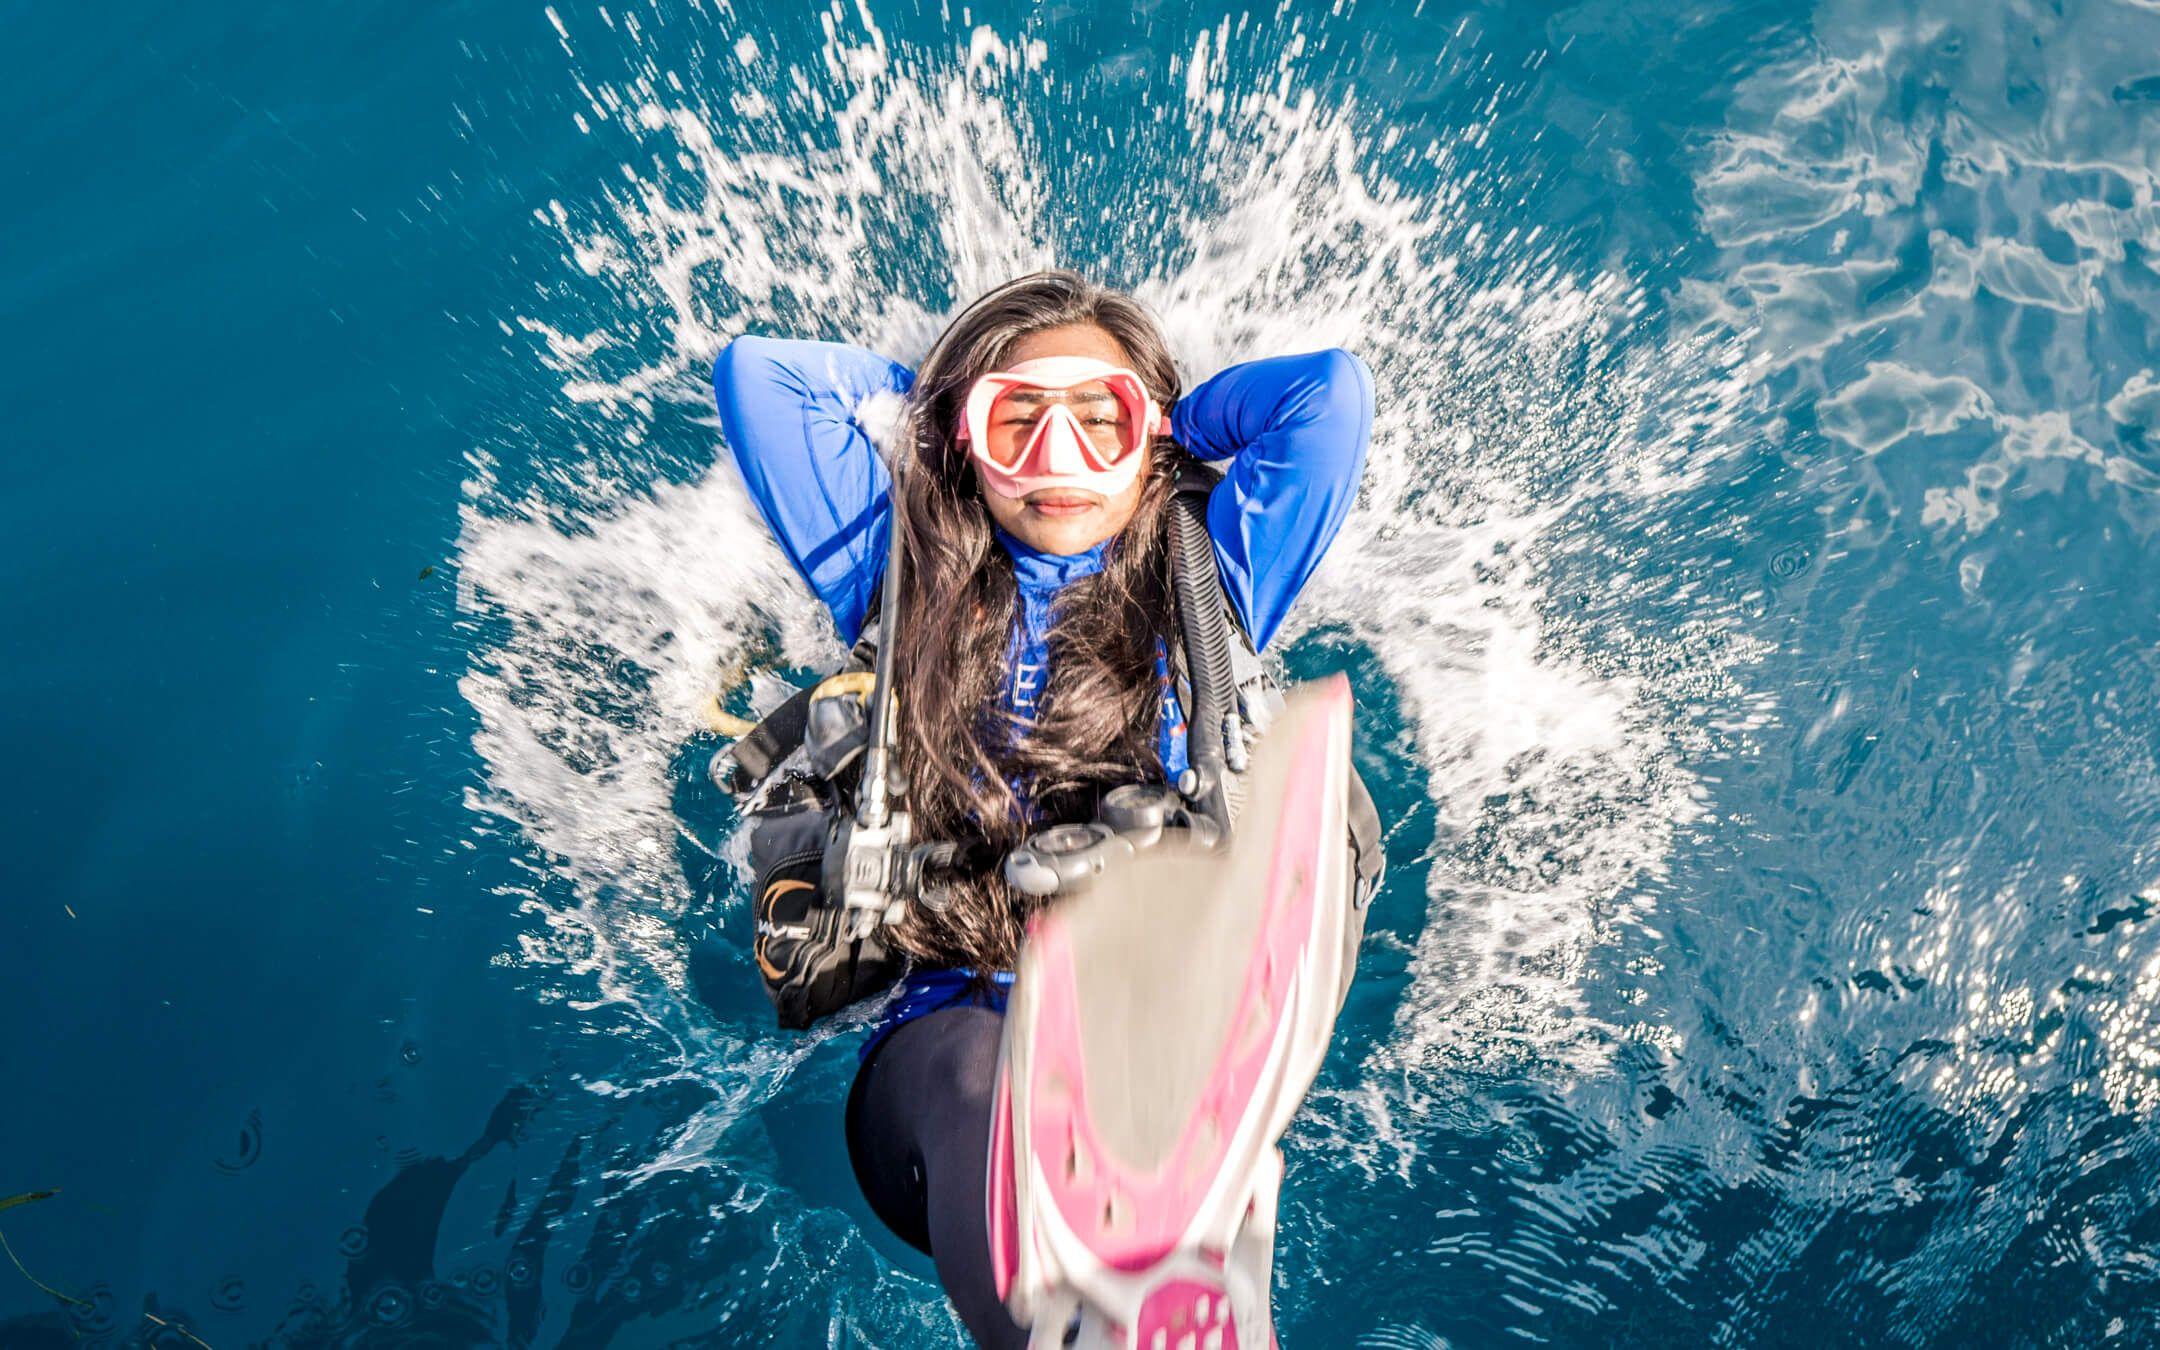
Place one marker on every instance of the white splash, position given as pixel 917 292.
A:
pixel 1514 396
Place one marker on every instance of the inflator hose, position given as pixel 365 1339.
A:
pixel 1207 654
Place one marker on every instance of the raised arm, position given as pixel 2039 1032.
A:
pixel 1295 430
pixel 791 413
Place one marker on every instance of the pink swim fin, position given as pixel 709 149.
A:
pixel 1163 1030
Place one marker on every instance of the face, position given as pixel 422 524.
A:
pixel 1061 520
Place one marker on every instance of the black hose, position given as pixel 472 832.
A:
pixel 1207 653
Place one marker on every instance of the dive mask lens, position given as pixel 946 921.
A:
pixel 1106 422
pixel 1059 422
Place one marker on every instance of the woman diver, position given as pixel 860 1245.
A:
pixel 1036 648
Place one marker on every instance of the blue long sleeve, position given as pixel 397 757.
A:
pixel 789 412
pixel 1295 429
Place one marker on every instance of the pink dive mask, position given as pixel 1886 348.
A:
pixel 1034 427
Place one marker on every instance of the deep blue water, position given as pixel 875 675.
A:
pixel 1755 614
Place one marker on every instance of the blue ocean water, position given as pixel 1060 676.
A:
pixel 1752 608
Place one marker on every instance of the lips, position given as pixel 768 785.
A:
pixel 1063 503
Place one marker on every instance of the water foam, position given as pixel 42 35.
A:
pixel 1519 395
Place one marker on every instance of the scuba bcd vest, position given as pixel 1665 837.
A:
pixel 814 963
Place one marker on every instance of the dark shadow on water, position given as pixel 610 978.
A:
pixel 591 1248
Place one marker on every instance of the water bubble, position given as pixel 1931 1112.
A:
pixel 305 1316
pixel 1789 562
pixel 519 1270
pixel 248 1149
pixel 169 1335
pixel 433 1294
pixel 389 1305
pixel 485 1279
pixel 230 1295
pixel 577 1278
pixel 660 1273
pixel 93 1314
pixel 353 1242
pixel 409 1053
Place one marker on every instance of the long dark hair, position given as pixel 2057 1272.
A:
pixel 1097 720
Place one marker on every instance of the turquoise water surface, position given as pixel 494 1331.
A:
pixel 1754 607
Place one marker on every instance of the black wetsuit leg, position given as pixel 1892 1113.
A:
pixel 918 1132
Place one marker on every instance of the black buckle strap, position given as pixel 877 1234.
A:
pixel 747 763
pixel 750 760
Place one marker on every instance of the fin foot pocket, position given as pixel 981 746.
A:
pixel 1163 1030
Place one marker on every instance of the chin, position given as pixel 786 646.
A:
pixel 1076 534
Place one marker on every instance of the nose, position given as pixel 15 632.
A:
pixel 1066 448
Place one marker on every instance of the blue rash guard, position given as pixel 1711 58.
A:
pixel 1294 429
